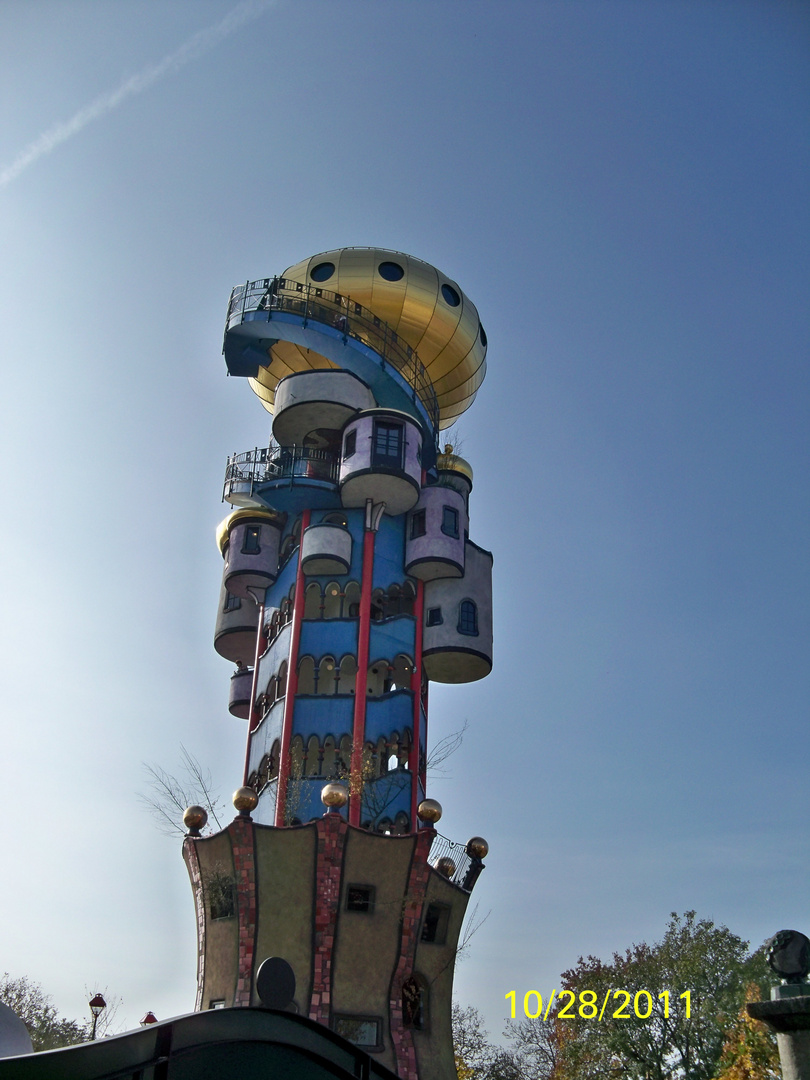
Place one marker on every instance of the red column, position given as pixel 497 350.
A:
pixel 292 680
pixel 363 633
pixel 416 687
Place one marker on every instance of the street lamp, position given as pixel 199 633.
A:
pixel 97 1006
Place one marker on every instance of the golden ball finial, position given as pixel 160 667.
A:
pixel 245 799
pixel 334 796
pixel 446 867
pixel 477 847
pixel 194 819
pixel 429 810
pixel 448 448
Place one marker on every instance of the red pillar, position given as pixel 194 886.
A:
pixel 292 680
pixel 361 680
pixel 416 687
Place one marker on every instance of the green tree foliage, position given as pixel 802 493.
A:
pixel 708 961
pixel 476 1057
pixel 47 1029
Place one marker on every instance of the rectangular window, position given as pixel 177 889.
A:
pixel 360 898
pixel 386 446
pixel 251 544
pixel 360 1030
pixel 418 523
pixel 434 616
pixel 450 521
pixel 232 603
pixel 434 927
pixel 217 1003
pixel 350 445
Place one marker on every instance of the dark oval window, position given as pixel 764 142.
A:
pixel 391 271
pixel 450 295
pixel 322 272
pixel 482 335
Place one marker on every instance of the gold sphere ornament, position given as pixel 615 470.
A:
pixel 195 818
pixel 334 796
pixel 429 810
pixel 446 867
pixel 245 799
pixel 477 847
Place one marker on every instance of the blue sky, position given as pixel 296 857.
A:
pixel 621 189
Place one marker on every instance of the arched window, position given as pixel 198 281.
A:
pixel 393 604
pixel 264 771
pixel 377 678
pixel 402 824
pixel 467 618
pixel 275 750
pixel 282 680
pixel 297 757
pixel 347 675
pixel 408 598
pixel 381 756
pixel 404 751
pixel 378 601
pixel 272 691
pixel 414 1004
pixel 331 601
pixel 336 519
pixel 273 629
pixel 351 601
pixel 402 672
pixel 306 675
pixel 287 548
pixel 345 755
pixel 312 601
pixel 326 676
pixel 329 759
pixel 313 767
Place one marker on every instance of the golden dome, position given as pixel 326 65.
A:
pixel 429 810
pixel 477 847
pixel 425 308
pixel 334 796
pixel 195 818
pixel 450 462
pixel 272 517
pixel 245 799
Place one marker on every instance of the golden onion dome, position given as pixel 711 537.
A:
pixel 423 306
pixel 450 462
pixel 271 517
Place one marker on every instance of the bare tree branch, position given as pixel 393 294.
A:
pixel 168 795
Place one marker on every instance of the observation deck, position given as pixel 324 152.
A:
pixel 338 331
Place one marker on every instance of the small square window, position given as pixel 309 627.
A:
pixel 217 1003
pixel 350 445
pixel 360 898
pixel 434 616
pixel 418 524
pixel 232 603
pixel 450 521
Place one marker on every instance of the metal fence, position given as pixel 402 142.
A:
pixel 262 465
pixel 343 314
pixel 442 848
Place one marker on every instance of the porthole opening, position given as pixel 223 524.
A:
pixel 450 295
pixel 322 272
pixel 391 271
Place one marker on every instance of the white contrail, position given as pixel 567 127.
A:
pixel 196 46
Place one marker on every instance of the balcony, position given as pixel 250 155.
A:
pixel 282 477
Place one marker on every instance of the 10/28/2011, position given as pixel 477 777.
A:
pixel 642 1007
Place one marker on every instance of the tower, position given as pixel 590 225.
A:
pixel 350 582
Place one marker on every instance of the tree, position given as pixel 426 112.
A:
pixel 47 1029
pixel 750 1051
pixel 477 1058
pixel 657 1012
pixel 169 795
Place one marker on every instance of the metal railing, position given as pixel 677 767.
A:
pixel 442 848
pixel 343 314
pixel 262 465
